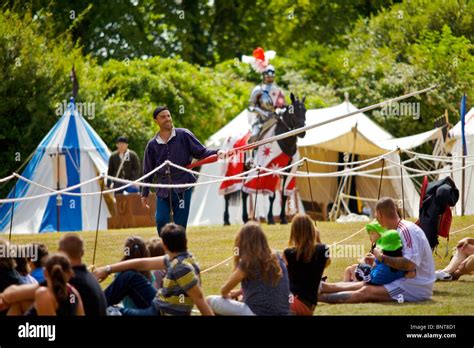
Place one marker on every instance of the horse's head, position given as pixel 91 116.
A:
pixel 296 113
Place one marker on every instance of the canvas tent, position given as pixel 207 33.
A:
pixel 323 143
pixel 454 147
pixel 360 135
pixel 82 156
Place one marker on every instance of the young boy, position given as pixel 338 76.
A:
pixel 374 271
pixel 181 286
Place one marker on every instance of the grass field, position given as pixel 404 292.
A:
pixel 214 243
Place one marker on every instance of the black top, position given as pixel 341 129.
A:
pixel 93 298
pixel 66 308
pixel 8 277
pixel 306 276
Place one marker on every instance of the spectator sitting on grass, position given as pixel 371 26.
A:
pixel 417 257
pixel 155 248
pixel 262 275
pixel 8 273
pixel 182 279
pixel 132 288
pixel 36 264
pixel 19 298
pixel 462 262
pixel 23 269
pixel 305 260
pixel 58 297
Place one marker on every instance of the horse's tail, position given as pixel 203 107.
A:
pixel 234 198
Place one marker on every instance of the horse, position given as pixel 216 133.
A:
pixel 292 118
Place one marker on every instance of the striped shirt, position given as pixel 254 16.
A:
pixel 182 274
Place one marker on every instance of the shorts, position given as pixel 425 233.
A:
pixel 405 290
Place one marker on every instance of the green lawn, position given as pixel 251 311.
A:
pixel 214 243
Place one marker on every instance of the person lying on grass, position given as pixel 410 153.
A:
pixel 262 274
pixel 417 257
pixel 181 286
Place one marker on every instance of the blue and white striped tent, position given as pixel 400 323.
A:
pixel 83 155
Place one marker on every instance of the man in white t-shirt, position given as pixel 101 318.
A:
pixel 417 260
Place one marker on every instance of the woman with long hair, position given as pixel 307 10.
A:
pixel 262 275
pixel 306 258
pixel 58 297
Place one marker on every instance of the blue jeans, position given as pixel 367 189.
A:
pixel 137 312
pixel 180 202
pixel 132 284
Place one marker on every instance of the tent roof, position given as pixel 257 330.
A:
pixel 455 132
pixel 371 139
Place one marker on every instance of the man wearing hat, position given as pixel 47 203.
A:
pixel 266 100
pixel 124 164
pixel 179 146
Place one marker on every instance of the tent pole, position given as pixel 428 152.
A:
pixel 256 195
pixel 310 189
pixel 463 183
pixel 381 178
pixel 98 221
pixel 58 207
pixel 401 178
pixel 12 212
pixel 352 165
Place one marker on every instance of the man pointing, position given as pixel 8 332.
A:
pixel 179 146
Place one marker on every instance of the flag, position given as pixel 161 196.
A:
pixel 75 82
pixel 463 121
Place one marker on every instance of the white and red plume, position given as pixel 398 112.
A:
pixel 259 59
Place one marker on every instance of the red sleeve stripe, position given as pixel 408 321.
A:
pixel 406 234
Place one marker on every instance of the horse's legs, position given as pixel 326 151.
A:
pixel 245 214
pixel 270 219
pixel 283 219
pixel 226 211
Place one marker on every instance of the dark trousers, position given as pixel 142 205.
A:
pixel 180 204
pixel 132 284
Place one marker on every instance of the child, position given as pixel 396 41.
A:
pixel 306 260
pixel 262 274
pixel 155 248
pixel 182 279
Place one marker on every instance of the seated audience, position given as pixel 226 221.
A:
pixel 305 259
pixel 262 274
pixel 132 288
pixel 181 287
pixel 58 297
pixel 417 257
pixel 8 273
pixel 155 248
pixel 36 264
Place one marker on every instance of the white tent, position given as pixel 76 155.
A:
pixel 75 151
pixel 454 146
pixel 324 144
pixel 360 135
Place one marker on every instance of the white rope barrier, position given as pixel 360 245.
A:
pixel 354 171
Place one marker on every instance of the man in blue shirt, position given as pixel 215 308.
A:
pixel 180 146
